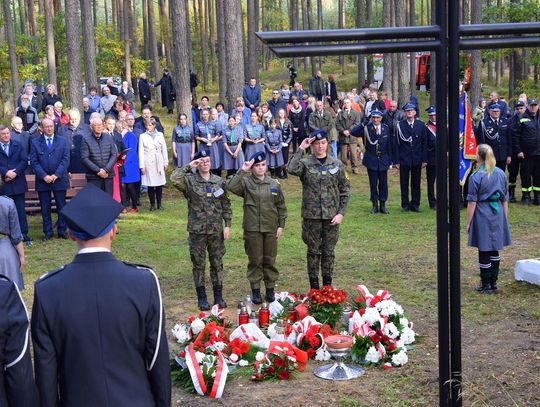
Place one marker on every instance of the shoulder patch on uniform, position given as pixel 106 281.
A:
pixel 51 273
pixel 139 266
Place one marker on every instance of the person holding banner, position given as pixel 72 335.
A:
pixel 493 130
pixel 487 217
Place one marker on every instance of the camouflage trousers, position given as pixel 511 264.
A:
pixel 199 243
pixel 320 238
pixel 261 249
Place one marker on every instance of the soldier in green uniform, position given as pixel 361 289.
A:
pixel 208 209
pixel 326 188
pixel 264 220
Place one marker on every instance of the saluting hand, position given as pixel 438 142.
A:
pixel 195 163
pixel 247 165
pixel 306 143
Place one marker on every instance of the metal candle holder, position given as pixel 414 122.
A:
pixel 338 370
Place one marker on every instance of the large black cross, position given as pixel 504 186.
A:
pixel 446 39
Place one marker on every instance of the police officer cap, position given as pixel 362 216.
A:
pixel 519 103
pixel 532 101
pixel 319 134
pixel 431 110
pixel 258 157
pixel 494 106
pixel 409 106
pixel 201 154
pixel 376 113
pixel 91 213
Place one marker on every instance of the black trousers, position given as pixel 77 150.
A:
pixel 154 194
pixel 531 171
pixel 378 185
pixel 414 173
pixel 19 202
pixel 45 203
pixel 515 167
pixel 105 184
pixel 501 164
pixel 129 191
pixel 431 173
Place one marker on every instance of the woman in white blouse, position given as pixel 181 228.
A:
pixel 153 161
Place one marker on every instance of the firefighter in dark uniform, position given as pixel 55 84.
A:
pixel 517 165
pixel 411 157
pixel 527 147
pixel 17 387
pixel 494 131
pixel 98 324
pixel 431 167
pixel 377 158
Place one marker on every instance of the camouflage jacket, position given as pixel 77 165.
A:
pixel 264 203
pixel 325 187
pixel 208 203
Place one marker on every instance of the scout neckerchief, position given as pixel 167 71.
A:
pixel 493 198
pixel 231 136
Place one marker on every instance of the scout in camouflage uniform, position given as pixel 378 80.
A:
pixel 264 220
pixel 325 196
pixel 208 208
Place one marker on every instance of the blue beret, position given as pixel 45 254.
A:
pixel 431 110
pixel 494 106
pixel 91 213
pixel 201 154
pixel 258 157
pixel 376 113
pixel 409 106
pixel 319 134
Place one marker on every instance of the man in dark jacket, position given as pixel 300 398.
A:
pixel 316 86
pixel 28 114
pixel 527 147
pixel 146 113
pixel 393 116
pixel 49 156
pixel 252 94
pixel 168 94
pixel 98 324
pixel 29 91
pixel 13 162
pixel 494 131
pixel 373 103
pixel 74 132
pixel 276 103
pixel 144 90
pixel 98 155
pixel 19 134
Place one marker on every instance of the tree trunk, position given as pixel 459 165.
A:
pixel 309 26
pixel 165 34
pixel 305 26
pixel 180 58
pixel 202 39
pixel 320 25
pixel 341 25
pixel 49 35
pixel 57 6
pixel 403 68
pixel 252 65
pixel 387 57
pixel 32 29
pixel 517 68
pixel 476 57
pixel 113 14
pixel 154 68
pixel 146 48
pixel 126 8
pixel 133 19
pixel 73 54
pixel 188 36
pixel 412 54
pixel 235 51
pixel 264 26
pixel 432 62
pixel 94 12
pixel 212 33
pixel 221 50
pixel 89 44
pixel 8 21
pixel 395 87
pixel 369 23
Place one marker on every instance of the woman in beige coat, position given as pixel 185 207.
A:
pixel 153 161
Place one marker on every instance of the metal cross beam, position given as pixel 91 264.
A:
pixel 446 38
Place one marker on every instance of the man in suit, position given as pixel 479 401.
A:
pixel 252 94
pixel 17 386
pixel 144 90
pixel 13 162
pixel 98 324
pixel 49 157
pixel 411 139
pixel 321 119
pixel 494 131
pixel 346 120
pixel 74 132
pixel 23 137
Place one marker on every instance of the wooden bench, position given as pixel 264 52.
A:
pixel 76 182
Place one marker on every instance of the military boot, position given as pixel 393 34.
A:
pixel 512 194
pixel 526 198
pixel 536 198
pixel 326 280
pixel 202 301
pixel 493 281
pixel 218 296
pixel 314 282
pixel 270 297
pixel 485 284
pixel 256 296
pixel 382 208
pixel 374 209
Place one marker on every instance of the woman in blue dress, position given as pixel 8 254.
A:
pixel 131 174
pixel 274 155
pixel 253 136
pixel 214 117
pixel 183 142
pixel 233 157
pixel 487 217
pixel 208 136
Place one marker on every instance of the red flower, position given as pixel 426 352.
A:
pixel 279 362
pixel 362 311
pixel 191 319
pixel 236 350
pixel 244 347
pixel 270 370
pixel 202 315
pixel 284 375
pixel 391 345
pixel 257 376
pixel 374 337
pixel 314 341
pixel 182 354
pixel 311 353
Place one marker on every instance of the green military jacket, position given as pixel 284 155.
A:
pixel 264 203
pixel 325 187
pixel 208 204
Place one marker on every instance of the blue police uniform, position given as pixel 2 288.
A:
pixel 51 161
pixel 17 386
pixel 411 154
pixel 98 324
pixel 16 159
pixel 496 133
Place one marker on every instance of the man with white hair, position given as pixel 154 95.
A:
pixel 87 110
pixel 107 101
pixel 28 114
pixel 19 134
pixel 29 91
pixel 112 87
pixel 74 132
